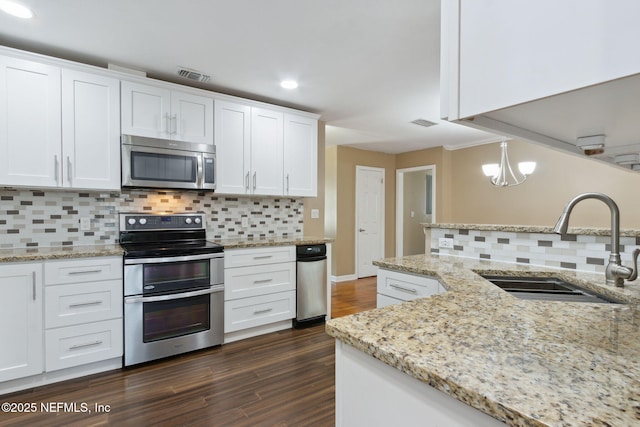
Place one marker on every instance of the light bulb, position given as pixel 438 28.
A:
pixel 526 168
pixel 15 9
pixel 490 169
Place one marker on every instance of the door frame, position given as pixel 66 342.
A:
pixel 382 224
pixel 400 203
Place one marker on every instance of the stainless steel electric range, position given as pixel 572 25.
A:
pixel 173 286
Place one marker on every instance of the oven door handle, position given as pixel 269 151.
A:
pixel 158 298
pixel 133 261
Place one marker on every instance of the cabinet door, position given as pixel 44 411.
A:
pixel 191 118
pixel 30 140
pixel 90 131
pixel 21 320
pixel 145 110
pixel 300 156
pixel 232 139
pixel 514 52
pixel 266 152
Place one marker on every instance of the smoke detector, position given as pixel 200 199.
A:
pixel 188 73
pixel 423 122
pixel 591 145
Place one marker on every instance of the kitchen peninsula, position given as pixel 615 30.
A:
pixel 523 363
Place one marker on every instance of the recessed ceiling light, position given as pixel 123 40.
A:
pixel 15 9
pixel 289 84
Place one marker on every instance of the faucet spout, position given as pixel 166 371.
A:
pixel 615 272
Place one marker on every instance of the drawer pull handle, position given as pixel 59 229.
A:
pixel 71 273
pixel 33 285
pixel 262 281
pixel 266 310
pixel 263 257
pixel 402 288
pixel 89 344
pixel 84 304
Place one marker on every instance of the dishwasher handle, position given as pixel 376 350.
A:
pixel 312 258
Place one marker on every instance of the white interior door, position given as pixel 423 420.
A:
pixel 369 219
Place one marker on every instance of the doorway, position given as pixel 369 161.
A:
pixel 415 204
pixel 369 219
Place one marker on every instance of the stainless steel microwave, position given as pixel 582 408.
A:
pixel 161 163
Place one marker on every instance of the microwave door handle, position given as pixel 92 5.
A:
pixel 200 172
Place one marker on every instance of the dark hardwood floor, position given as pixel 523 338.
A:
pixel 281 379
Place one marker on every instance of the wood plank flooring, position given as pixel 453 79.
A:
pixel 281 379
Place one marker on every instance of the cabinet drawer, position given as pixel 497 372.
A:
pixel 78 345
pixel 383 301
pixel 67 305
pixel 258 256
pixel 246 282
pixel 261 310
pixel 82 270
pixel 406 286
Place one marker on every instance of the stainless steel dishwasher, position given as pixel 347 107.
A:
pixel 311 275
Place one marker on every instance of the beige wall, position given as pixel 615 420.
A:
pixel 315 227
pixel 558 177
pixel 341 184
pixel 464 194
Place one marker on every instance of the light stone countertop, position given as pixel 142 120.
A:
pixel 272 241
pixel 59 252
pixel 62 252
pixel 527 363
pixel 530 229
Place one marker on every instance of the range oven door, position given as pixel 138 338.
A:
pixel 165 325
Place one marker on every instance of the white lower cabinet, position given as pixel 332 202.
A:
pixel 83 311
pixel 61 318
pixel 260 291
pixel 395 287
pixel 20 320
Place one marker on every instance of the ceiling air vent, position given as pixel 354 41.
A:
pixel 423 122
pixel 193 75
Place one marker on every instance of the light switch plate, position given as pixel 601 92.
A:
pixel 315 213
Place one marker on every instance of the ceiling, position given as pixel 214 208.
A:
pixel 368 67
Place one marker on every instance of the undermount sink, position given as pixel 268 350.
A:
pixel 547 289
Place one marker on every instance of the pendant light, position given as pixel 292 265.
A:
pixel 502 175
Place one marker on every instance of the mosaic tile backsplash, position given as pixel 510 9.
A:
pixel 572 251
pixel 36 218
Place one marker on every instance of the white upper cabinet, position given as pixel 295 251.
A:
pixel 90 131
pixel 546 71
pixel 158 112
pixel 249 149
pixel 30 128
pixel 300 156
pixel 266 151
pixel 58 128
pixel 233 139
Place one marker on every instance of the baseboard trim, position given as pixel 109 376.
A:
pixel 345 278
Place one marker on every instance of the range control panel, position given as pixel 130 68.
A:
pixel 172 221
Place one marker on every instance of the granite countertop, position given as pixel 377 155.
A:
pixel 60 252
pixel 527 363
pixel 272 241
pixel 530 229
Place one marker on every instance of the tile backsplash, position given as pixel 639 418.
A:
pixel 572 251
pixel 43 218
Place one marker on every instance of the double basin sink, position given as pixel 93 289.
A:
pixel 548 289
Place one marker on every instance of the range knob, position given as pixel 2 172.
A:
pixel 131 221
pixel 197 220
pixel 143 221
pixel 188 220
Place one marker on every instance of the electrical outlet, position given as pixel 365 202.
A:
pixel 445 242
pixel 245 221
pixel 315 213
pixel 85 224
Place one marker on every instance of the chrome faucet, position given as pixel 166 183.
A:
pixel 615 272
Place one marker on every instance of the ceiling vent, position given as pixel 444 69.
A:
pixel 423 122
pixel 193 75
